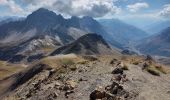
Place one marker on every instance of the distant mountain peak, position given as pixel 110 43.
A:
pixel 42 13
pixel 42 10
pixel 43 19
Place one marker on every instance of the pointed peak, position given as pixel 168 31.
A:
pixel 42 10
pixel 42 13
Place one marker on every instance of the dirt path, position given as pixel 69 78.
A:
pixel 149 87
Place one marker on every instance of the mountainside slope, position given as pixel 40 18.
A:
pixel 156 28
pixel 122 32
pixel 157 45
pixel 32 49
pixel 86 45
pixel 90 25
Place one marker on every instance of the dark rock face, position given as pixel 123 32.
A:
pixel 88 44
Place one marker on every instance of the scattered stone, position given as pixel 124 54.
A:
pixel 81 79
pixel 80 71
pixel 64 66
pixel 67 93
pixel 124 78
pixel 73 67
pixel 120 78
pixel 117 78
pixel 148 58
pixel 28 94
pixel 88 66
pixel 57 83
pixel 145 65
pixel 112 92
pixel 168 92
pixel 52 95
pixel 117 70
pixel 110 96
pixel 71 83
pixel 54 84
pixel 113 61
pixel 52 71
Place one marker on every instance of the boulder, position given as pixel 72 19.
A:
pixel 117 70
pixel 98 93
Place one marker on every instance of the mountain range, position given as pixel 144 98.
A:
pixel 43 31
pixel 45 22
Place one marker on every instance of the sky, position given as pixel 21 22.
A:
pixel 128 10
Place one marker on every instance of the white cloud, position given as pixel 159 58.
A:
pixel 137 6
pixel 165 12
pixel 11 5
pixel 2 2
pixel 94 8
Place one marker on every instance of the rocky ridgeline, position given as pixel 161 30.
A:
pixel 45 86
pixel 115 91
pixel 93 79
